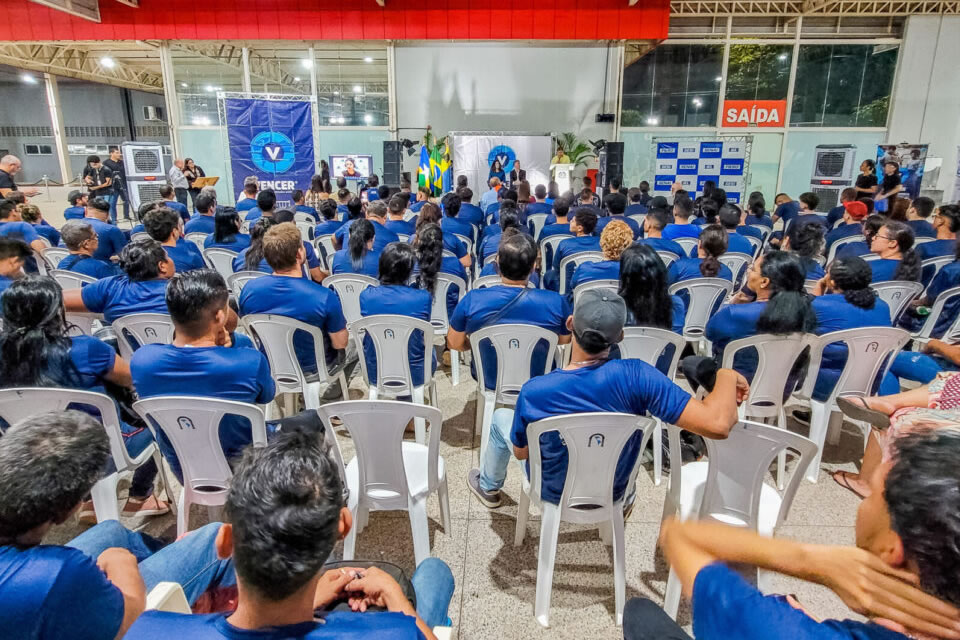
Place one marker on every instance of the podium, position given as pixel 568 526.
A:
pixel 562 175
pixel 205 181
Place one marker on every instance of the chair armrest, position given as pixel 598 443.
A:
pixel 443 633
pixel 168 596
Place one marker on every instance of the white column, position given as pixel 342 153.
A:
pixel 621 58
pixel 791 84
pixel 392 89
pixel 56 123
pixel 314 109
pixel 245 60
pixel 170 98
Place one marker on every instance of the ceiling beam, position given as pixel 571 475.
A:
pixel 232 56
pixel 740 8
pixel 73 62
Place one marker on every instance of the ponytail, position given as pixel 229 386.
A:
pixel 852 276
pixel 254 254
pixel 788 310
pixel 361 232
pixel 713 241
pixel 909 267
pixel 429 246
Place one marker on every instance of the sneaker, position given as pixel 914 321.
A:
pixel 489 499
pixel 802 416
pixel 150 506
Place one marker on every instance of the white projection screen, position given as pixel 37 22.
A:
pixel 472 152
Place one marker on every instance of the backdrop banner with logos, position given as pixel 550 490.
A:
pixel 271 139
pixel 694 161
pixel 474 153
pixel 910 157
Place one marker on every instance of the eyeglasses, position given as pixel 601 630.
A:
pixel 887 238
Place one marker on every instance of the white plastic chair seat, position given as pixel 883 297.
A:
pixel 897 294
pixel 348 287
pixel 693 479
pixel 705 294
pixel 54 255
pixel 415 458
pixel 145 328
pixel 221 260
pixel 70 280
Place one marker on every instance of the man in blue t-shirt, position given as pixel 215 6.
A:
pixel 582 225
pixel 299 206
pixel 168 199
pixel 81 240
pixel 95 586
pixel 730 217
pixel 469 212
pixel 166 227
pixel 205 220
pixel 489 198
pixel 918 217
pixel 13 254
pixel 396 208
pixel 902 576
pixel 637 206
pixel 78 206
pixel 248 197
pixel 450 223
pixel 682 226
pixel 287 508
pixel 654 223
pixel 382 236
pixel 12 226
pixel 591 383
pixel 541 205
pixel 111 239
pixel 266 203
pixel 616 204
pixel 835 214
pixel 853 214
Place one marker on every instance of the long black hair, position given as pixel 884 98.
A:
pixel 361 232
pixel 643 286
pixel 909 267
pixel 429 247
pixel 226 225
pixel 852 277
pixel 254 254
pixel 806 241
pixel 396 263
pixel 34 346
pixel 713 241
pixel 756 204
pixel 788 310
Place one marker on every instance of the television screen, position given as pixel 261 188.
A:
pixel 355 167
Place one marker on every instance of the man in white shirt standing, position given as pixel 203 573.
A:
pixel 178 181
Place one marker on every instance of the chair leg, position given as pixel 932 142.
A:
pixel 834 427
pixel 419 424
pixel 420 529
pixel 350 542
pixel 671 599
pixel 372 394
pixel 523 514
pixel 311 395
pixel 549 531
pixel 183 512
pixel 444 496
pixel 489 403
pixel 455 367
pixel 104 495
pixel 782 456
pixel 606 533
pixel 657 452
pixel 480 401
pixel 619 565
pixel 342 378
pixel 819 417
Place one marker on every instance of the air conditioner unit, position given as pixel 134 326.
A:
pixel 833 167
pixel 152 113
pixel 143 163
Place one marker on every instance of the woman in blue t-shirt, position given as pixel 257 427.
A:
pixel 428 245
pixel 36 350
pixel 614 240
pixel 712 245
pixel 496 171
pixel 757 208
pixel 358 256
pixel 898 261
pixel 226 232
pixel 251 258
pixel 806 241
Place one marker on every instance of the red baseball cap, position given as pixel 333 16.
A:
pixel 856 209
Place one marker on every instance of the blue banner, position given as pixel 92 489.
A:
pixel 272 140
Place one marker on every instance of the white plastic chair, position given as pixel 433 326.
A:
pixel 688 245
pixel 765 230
pixel 70 280
pixel 306 229
pixel 841 242
pixel 736 262
pixel 488 259
pixel 756 243
pixel 245 226
pixel 898 294
pixel 514 345
pixel 221 260
pixel 197 238
pixel 668 257
pixel 325 241
pixel 704 294
pixel 579 290
pixel 870 352
pixel 551 242
pixel 810 285
pixel 20 403
pixel 275 333
pixel 141 235
pixel 729 486
pixel 937 263
pixel 467 241
pixel 44 241
pixel 409 215
pixel 536 220
pixel 492 281
pixel 191 424
pixel 576 259
pixel 348 287
pixel 236 281
pixel 450 254
pixel 952 334
pixel 391 336
pixel 142 328
pixel 389 473
pixel 647 344
pixel 44 266
pixel 594 443
pixel 55 254
pixel 440 320
pixel 639 218
pixel 776 356
pixel 83 323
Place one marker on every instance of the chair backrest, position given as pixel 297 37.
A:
pixel 552 243
pixel 757 243
pixel 300 216
pixel 20 403
pixel 594 443
pixel 488 259
pixel 450 254
pixel 44 266
pixel 736 262
pixel 306 228
pixel 70 280
pixel 274 334
pixel 492 280
pixel 738 465
pixel 348 287
pixel 409 215
pixel 704 293
pixel 648 343
pixel 952 334
pixel 391 336
pixel 639 218
pixel 839 243
pixel 44 241
pixel 221 260
pixel 576 259
pixel 536 220
pixel 438 311
pixel 139 235
pixel 196 238
pixel 376 429
pixel 594 284
pixel 55 254
pixel 668 257
pixel 776 356
pixel 935 263
pixel 326 242
pixel 235 281
pixel 514 345
pixel 80 323
pixel 923 240
pixel 138 329
pixel 764 229
pixel 245 226
pixel 688 244
pixel 897 294
pixel 191 424
pixel 810 284
pixel 870 352
pixel 467 241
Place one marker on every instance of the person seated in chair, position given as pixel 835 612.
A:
pixel 166 227
pixel 451 223
pixel 266 203
pixel 729 217
pixel 377 214
pixel 31 214
pixel 285 513
pixel 80 238
pixel 169 200
pixel 616 204
pixel 205 220
pixel 946 224
pixel 712 245
pixel 13 255
pixel 627 386
pixel 893 243
pixel 469 212
pixel 654 223
pixel 299 206
pixel 358 256
pixel 226 232
pixel 78 206
pixel 11 226
pixel 918 217
pixel 854 213
pixel 330 223
pixel 682 225
pixel 396 207
pixel 582 225
pixel 614 240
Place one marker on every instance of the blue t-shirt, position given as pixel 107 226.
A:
pixel 74 213
pixel 20 231
pixel 186 257
pixel 736 243
pixel 179 207
pixel 300 299
pixel 753 232
pixel 203 223
pixel 571 246
pixel 689 268
pixel 451 226
pixel 538 307
pixel 664 244
pixel 342 212
pixel 471 214
pixel 490 269
pixel 922 229
pixel 853 249
pixel 397 300
pixel 674 231
pixel 948 278
pixel 883 269
pixel 237 242
pixel 590 271
pixel 228 373
pixel 935 249
pixel 398 227
pixel 48 232
pixel 49 592
pixel 89 266
pixel 843 231
pixel 489 245
pixel 635 209
pixel 119 296
pixel 111 239
pixel 5 283
pixel 604 221
pixel 381 235
pixel 538 207
pixel 454 267
pixel 310 211
pixel 726 606
pixel 246 204
pixel 835 214
pixel 327 228
pixel 787 211
pixel 239 263
pixel 624 386
pixel 370 267
pixel 804 218
pixel 764 220
pixel 340 625
pixel 733 322
pixel 417 205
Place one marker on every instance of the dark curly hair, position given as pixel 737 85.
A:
pixel 852 276
pixel 429 246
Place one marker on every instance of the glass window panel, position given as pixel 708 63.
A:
pixel 673 86
pixel 352 86
pixel 758 72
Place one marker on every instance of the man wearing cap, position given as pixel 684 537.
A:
pixel 853 215
pixel 78 206
pixel 593 382
pixel 248 198
pixel 111 239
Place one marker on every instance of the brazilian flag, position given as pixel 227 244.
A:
pixel 446 169
pixel 423 170
pixel 436 170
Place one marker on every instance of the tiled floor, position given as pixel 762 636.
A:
pixel 496 581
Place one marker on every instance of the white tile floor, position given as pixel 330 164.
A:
pixel 496 581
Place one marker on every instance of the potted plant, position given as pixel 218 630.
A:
pixel 579 151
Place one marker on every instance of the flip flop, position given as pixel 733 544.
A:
pixel 840 477
pixel 857 409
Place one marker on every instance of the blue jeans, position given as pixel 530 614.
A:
pixel 191 561
pixel 493 467
pixel 919 367
pixel 136 440
pixel 113 199
pixel 433 584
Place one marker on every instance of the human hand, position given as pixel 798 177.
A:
pixel 31 192
pixel 743 388
pixel 821 287
pixel 373 587
pixel 871 587
pixel 933 346
pixel 331 585
pixel 115 558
